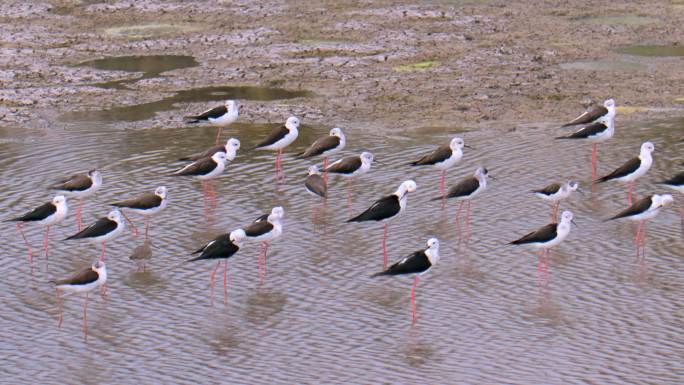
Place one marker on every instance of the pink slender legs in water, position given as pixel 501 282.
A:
pixel 325 171
pixel 46 245
pixel 147 228
pixel 640 240
pixel 225 283
pixel 413 299
pixel 594 158
pixel 218 135
pixel 30 251
pixel 130 222
pixel 554 212
pixel 630 186
pixel 384 246
pixel 278 165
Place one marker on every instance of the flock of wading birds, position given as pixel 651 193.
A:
pixel 597 123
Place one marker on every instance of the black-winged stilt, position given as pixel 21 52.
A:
pixel 442 158
pixel 146 205
pixel 351 167
pixel 677 183
pixel 220 116
pixel 222 247
pixel 326 146
pixel 632 169
pixel 597 132
pixel 280 138
pixel 265 231
pixel 594 113
pixel 555 193
pixel 230 148
pixel 103 230
pixel 79 186
pixel 315 184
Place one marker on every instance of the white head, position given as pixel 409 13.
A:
pixel 663 200
pixel 566 217
pixel 232 145
pixel 99 267
pixel 95 176
pixel 609 104
pixel 337 132
pixel 292 122
pixel 313 170
pixel 481 173
pixel 406 187
pixel 647 148
pixel 276 214
pixel 433 250
pixel 237 236
pixel 115 216
pixel 219 157
pixel 160 192
pixel 231 105
pixel 457 144
pixel 366 157
pixel 59 200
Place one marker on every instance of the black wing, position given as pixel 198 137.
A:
pixel 384 208
pixel 213 113
pixel 637 208
pixel 320 146
pixel 629 167
pixel 316 184
pixel 77 182
pixel 220 247
pixel 542 235
pixel 415 263
pixel 586 132
pixel 677 180
pixel 258 228
pixel 101 227
pixel 38 214
pixel 83 277
pixel 275 135
pixel 441 154
pixel 593 113
pixel 549 190
pixel 147 201
pixel 200 167
pixel 262 218
pixel 346 165
pixel 463 188
pixel 207 153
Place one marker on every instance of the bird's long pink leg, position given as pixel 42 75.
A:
pixel 594 157
pixel 78 213
pixel 225 283
pixel 458 220
pixel 637 237
pixel 85 318
pixel 629 195
pixel 218 134
pixel 384 246
pixel 147 227
pixel 554 216
pixel 61 311
pixel 325 170
pixel 442 188
pixel 102 254
pixel 21 231
pixel 643 242
pixel 277 164
pixel 130 222
pixel 413 299
pixel 265 260
pixel 212 281
pixel 46 245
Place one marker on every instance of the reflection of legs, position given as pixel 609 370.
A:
pixel 78 213
pixel 21 231
pixel 594 156
pixel 85 318
pixel 554 213
pixel 413 299
pixel 467 223
pixel 147 228
pixel 384 246
pixel 637 237
pixel 630 186
pixel 458 221
pixel 212 281
pixel 218 134
pixel 325 171
pixel 61 311
pixel 225 282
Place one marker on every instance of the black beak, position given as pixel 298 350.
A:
pixel 492 177
pixel 467 146
pixel 573 222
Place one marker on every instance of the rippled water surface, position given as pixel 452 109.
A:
pixel 319 317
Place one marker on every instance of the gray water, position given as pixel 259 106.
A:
pixel 319 317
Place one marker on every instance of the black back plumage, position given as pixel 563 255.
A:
pixel 206 153
pixel 677 180
pixel 200 167
pixel 594 112
pixel 549 190
pixel 586 132
pixel 144 202
pixel 213 113
pixel 320 146
pixel 101 227
pixel 83 277
pixel 463 188
pixel 544 234
pixel 38 214
pixel 346 165
pixel 415 263
pixel 316 184
pixel 384 208
pixel 441 154
pixel 275 135
pixel 219 248
pixel 629 167
pixel 259 228
pixel 636 208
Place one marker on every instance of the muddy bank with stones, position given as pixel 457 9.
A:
pixel 379 65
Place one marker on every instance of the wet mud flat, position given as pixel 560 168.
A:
pixel 373 64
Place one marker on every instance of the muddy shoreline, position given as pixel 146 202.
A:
pixel 372 65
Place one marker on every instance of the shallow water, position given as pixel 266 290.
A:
pixel 653 50
pixel 319 317
pixel 149 65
